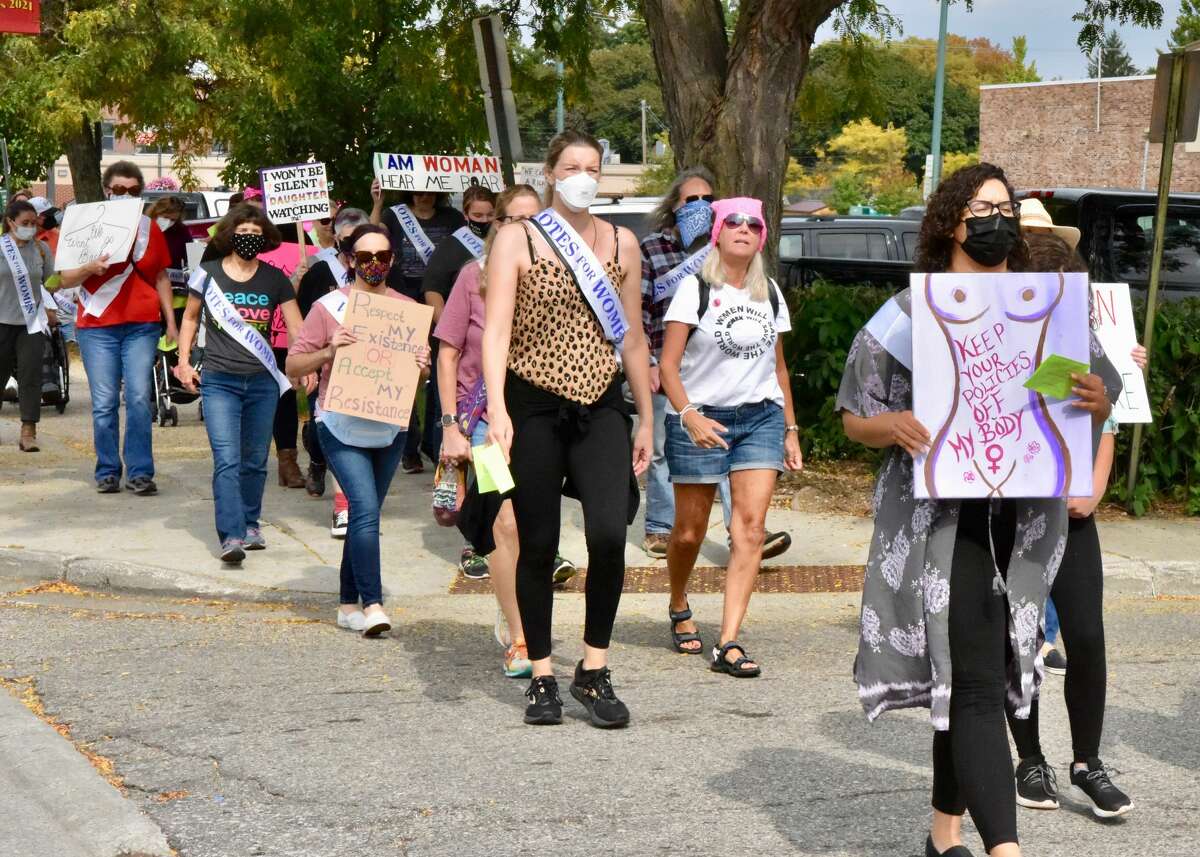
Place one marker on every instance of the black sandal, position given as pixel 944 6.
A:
pixel 687 637
pixel 720 665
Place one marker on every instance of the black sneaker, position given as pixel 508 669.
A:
pixel 564 570
pixel 776 543
pixel 143 486
pixel 108 485
pixel 473 566
pixel 1055 662
pixel 412 464
pixel 545 705
pixel 594 690
pixel 1095 784
pixel 1037 787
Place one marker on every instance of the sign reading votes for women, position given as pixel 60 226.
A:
pixel 295 193
pixel 437 173
pixel 977 340
pixel 376 378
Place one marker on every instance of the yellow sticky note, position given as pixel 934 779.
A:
pixel 491 469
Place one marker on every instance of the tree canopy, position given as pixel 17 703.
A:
pixel 1114 58
pixel 1187 25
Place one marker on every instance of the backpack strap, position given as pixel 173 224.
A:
pixel 702 305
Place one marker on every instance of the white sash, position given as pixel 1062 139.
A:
pixel 333 259
pixel 335 302
pixel 231 321
pixel 892 328
pixel 587 272
pixel 665 286
pixel 412 228
pixel 95 303
pixel 36 320
pixel 469 240
pixel 177 275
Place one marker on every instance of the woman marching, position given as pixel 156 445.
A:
pixel 362 453
pixel 730 416
pixel 462 393
pixel 242 383
pixel 556 315
pixel 935 623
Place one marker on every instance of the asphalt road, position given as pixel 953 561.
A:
pixel 246 729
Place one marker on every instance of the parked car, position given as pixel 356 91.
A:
pixel 850 250
pixel 1117 235
pixel 197 205
pixel 632 212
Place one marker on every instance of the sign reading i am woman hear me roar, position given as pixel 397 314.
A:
pixel 977 338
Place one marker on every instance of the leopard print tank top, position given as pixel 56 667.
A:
pixel 557 344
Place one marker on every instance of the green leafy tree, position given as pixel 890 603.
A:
pixel 1114 59
pixel 1187 24
pixel 849 189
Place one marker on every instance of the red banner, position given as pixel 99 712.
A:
pixel 20 16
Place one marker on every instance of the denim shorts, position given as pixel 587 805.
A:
pixel 754 433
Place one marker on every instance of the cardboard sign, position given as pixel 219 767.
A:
pixel 295 193
pixel 94 229
pixel 376 378
pixel 437 173
pixel 977 339
pixel 20 16
pixel 1112 322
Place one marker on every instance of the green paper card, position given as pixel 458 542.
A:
pixel 1053 376
pixel 491 470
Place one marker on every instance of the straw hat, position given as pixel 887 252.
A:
pixel 1035 216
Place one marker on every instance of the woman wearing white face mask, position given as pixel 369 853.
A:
pixel 560 291
pixel 25 318
pixel 167 213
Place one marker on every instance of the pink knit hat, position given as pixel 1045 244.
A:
pixel 722 208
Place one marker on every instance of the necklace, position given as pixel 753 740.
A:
pixel 595 233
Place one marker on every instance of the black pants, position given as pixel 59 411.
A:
pixel 287 418
pixel 21 354
pixel 972 767
pixel 553 440
pixel 1078 594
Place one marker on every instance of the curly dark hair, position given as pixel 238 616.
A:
pixel 222 240
pixel 944 211
pixel 1048 252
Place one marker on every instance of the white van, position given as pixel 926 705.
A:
pixel 632 212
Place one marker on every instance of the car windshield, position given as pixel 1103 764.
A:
pixel 1133 240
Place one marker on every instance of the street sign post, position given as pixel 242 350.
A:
pixel 492 50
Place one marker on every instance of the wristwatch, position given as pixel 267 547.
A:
pixel 448 420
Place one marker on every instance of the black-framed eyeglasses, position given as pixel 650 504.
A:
pixel 985 208
pixel 512 218
pixel 696 197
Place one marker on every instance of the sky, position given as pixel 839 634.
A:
pixel 1047 25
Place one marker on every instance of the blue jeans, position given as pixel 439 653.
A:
pixel 754 433
pixel 364 475
pixel 239 413
pixel 660 496
pixel 1051 622
pixel 112 356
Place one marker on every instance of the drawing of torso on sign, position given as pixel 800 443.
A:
pixel 976 341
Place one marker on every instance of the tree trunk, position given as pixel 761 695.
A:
pixel 729 105
pixel 83 154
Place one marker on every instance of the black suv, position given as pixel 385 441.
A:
pixel 1117 234
pixel 849 250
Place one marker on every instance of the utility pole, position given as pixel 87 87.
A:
pixel 1099 77
pixel 559 117
pixel 939 93
pixel 643 131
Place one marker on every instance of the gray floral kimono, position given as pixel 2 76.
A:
pixel 904 647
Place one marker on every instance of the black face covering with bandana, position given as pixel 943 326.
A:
pixel 247 245
pixel 990 239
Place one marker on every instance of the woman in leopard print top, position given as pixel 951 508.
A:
pixel 555 409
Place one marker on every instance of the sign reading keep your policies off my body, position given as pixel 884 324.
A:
pixel 376 378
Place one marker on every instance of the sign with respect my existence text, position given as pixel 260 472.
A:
pixel 295 193
pixel 437 173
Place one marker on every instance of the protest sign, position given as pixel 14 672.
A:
pixel 437 173
pixel 295 193
pixel 94 229
pixel 977 339
pixel 1112 322
pixel 533 175
pixel 20 16
pixel 376 378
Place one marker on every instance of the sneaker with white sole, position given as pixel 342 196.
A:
pixel 1055 662
pixel 356 621
pixel 517 663
pixel 341 524
pixel 1094 784
pixel 564 570
pixel 254 540
pixel 1037 787
pixel 233 551
pixel 376 623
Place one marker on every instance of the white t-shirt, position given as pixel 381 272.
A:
pixel 730 358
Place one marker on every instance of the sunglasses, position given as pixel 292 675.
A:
pixel 325 221
pixel 132 190
pixel 749 220
pixel 365 257
pixel 696 197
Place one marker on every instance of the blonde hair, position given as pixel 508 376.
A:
pixel 503 201
pixel 559 144
pixel 755 282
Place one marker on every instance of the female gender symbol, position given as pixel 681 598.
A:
pixel 994 460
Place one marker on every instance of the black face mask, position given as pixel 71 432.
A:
pixel 480 229
pixel 248 246
pixel 990 239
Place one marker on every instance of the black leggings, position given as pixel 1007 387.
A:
pixel 21 354
pixel 1078 594
pixel 972 767
pixel 553 440
pixel 287 418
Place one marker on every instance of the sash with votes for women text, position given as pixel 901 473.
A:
pixel 470 240
pixel 666 285
pixel 586 271
pixel 231 321
pixel 412 228
pixel 36 320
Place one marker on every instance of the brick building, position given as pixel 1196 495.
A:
pixel 1045 135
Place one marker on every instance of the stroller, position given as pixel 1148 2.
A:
pixel 168 391
pixel 56 373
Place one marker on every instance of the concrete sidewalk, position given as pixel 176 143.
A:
pixel 168 542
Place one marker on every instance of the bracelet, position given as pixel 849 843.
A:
pixel 688 407
pixel 796 429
